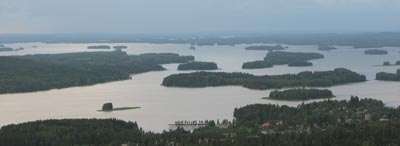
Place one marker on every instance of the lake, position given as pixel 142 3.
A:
pixel 161 106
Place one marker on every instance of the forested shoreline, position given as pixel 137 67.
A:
pixel 31 73
pixel 312 79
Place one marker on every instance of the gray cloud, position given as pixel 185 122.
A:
pixel 207 16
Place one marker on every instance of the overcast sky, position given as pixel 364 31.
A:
pixel 198 16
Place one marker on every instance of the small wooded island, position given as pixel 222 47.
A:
pixel 268 48
pixel 108 107
pixel 387 63
pixel 300 94
pixel 326 47
pixel 196 65
pixel 300 63
pixel 120 47
pixel 307 78
pixel 383 76
pixel 281 58
pixel 376 52
pixel 31 73
pixel 99 47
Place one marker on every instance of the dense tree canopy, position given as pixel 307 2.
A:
pixel 376 52
pixel 312 79
pixel 43 72
pixel 383 76
pixel 281 58
pixel 196 65
pixel 300 94
pixel 268 48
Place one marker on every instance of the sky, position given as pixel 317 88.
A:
pixel 199 16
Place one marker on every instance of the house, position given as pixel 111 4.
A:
pixel 367 117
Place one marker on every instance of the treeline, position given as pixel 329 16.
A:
pixel 311 79
pixel 52 71
pixel 388 76
pixel 376 52
pixel 281 58
pixel 195 65
pixel 300 63
pixel 99 47
pixel 268 48
pixel 300 94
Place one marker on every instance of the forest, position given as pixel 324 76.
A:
pixel 281 58
pixel 311 79
pixel 376 52
pixel 300 94
pixel 299 63
pixel 196 65
pixel 99 47
pixel 256 65
pixel 52 71
pixel 384 76
pixel 268 48
pixel 330 123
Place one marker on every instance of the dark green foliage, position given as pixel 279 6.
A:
pixel 120 47
pixel 107 106
pixel 388 76
pixel 386 63
pixel 323 113
pixel 195 65
pixel 312 79
pixel 300 94
pixel 94 132
pixel 99 47
pixel 6 49
pixel 300 63
pixel 281 58
pixel 397 62
pixel 43 72
pixel 376 52
pixel 326 47
pixel 268 48
pixel 256 64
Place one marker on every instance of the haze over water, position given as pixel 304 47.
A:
pixel 161 105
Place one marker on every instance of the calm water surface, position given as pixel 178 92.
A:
pixel 161 105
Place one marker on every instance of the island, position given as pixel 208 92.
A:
pixel 299 63
pixel 326 47
pixel 120 47
pixel 300 94
pixel 312 79
pixel 376 52
pixel 31 73
pixel 196 65
pixel 99 47
pixel 268 48
pixel 256 65
pixel 353 122
pixel 383 76
pixel 108 107
pixel 5 49
pixel 281 58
